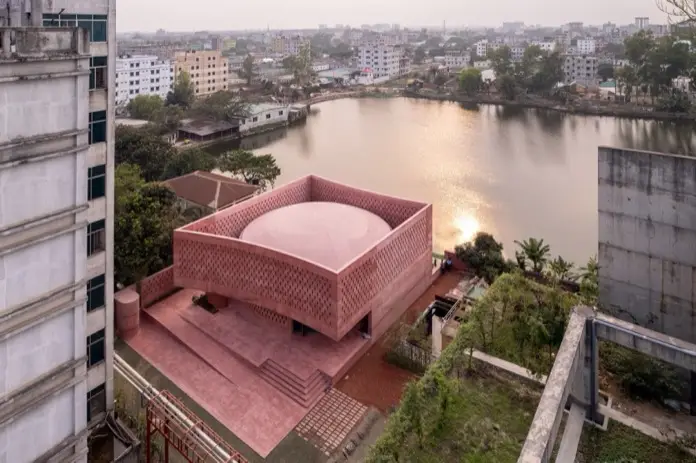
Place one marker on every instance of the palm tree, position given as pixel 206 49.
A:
pixel 561 269
pixel 521 259
pixel 590 272
pixel 536 251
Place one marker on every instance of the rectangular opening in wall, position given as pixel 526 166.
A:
pixel 95 348
pixel 96 402
pixel 97 72
pixel 97 127
pixel 96 295
pixel 96 182
pixel 96 237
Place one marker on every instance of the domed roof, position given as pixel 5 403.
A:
pixel 329 234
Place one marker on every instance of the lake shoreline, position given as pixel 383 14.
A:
pixel 613 111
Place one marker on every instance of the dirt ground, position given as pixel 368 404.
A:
pixel 375 382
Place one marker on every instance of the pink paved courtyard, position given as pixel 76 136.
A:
pixel 248 371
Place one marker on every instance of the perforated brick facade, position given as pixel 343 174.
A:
pixel 209 256
pixel 156 286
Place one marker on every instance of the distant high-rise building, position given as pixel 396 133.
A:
pixel 642 22
pixel 56 226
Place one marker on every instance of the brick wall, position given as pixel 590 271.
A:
pixel 156 286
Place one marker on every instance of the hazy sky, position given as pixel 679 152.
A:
pixel 189 15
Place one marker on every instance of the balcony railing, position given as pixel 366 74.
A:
pixel 42 42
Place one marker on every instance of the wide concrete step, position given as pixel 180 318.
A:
pixel 305 392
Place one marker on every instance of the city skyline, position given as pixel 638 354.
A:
pixel 134 16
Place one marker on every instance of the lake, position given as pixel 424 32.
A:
pixel 516 173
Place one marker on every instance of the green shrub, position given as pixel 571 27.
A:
pixel 639 375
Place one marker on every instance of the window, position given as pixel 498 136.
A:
pixel 97 127
pixel 96 293
pixel 97 72
pixel 256 119
pixel 94 23
pixel 96 237
pixel 95 348
pixel 96 182
pixel 268 116
pixel 96 402
pixel 280 113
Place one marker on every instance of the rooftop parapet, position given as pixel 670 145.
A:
pixel 40 43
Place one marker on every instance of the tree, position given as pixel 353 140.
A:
pixel 187 161
pixel 144 148
pixel 605 71
pixel 256 170
pixel 440 80
pixel 501 61
pixel 169 118
pixel 506 86
pixel 221 106
pixel 561 269
pixel 182 93
pixel 589 282
pixel 520 321
pixel 419 55
pixel 637 47
pixel 484 256
pixel 143 225
pixel 678 11
pixel 470 81
pixel 536 251
pixel 248 69
pixel 629 80
pixel 145 107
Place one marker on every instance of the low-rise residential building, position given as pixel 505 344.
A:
pixel 386 62
pixel 264 114
pixel 545 45
pixel 586 46
pixel 484 64
pixel 208 70
pixel 457 59
pixel 581 69
pixel 481 48
pixel 288 45
pixel 142 75
pixel 516 54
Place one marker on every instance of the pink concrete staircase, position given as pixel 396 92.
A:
pixel 305 392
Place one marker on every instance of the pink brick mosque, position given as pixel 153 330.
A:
pixel 305 278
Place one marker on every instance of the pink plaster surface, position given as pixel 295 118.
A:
pixel 256 339
pixel 305 283
pixel 216 359
pixel 225 386
pixel 329 234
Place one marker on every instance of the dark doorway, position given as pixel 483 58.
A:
pixel 301 329
pixel 364 325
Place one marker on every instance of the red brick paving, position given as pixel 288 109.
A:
pixel 377 383
pixel 330 421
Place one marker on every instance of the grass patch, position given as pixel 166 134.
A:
pixel 487 421
pixel 619 444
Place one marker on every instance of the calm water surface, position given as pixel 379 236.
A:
pixel 513 173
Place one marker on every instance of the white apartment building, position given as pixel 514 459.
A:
pixel 56 226
pixel 545 45
pixel 586 46
pixel 142 75
pixel 385 61
pixel 516 54
pixel 581 69
pixel 457 59
pixel 481 48
pixel 642 22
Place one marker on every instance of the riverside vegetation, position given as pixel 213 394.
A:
pixel 463 410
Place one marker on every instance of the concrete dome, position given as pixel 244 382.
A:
pixel 329 234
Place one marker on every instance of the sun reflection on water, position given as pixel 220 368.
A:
pixel 467 225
